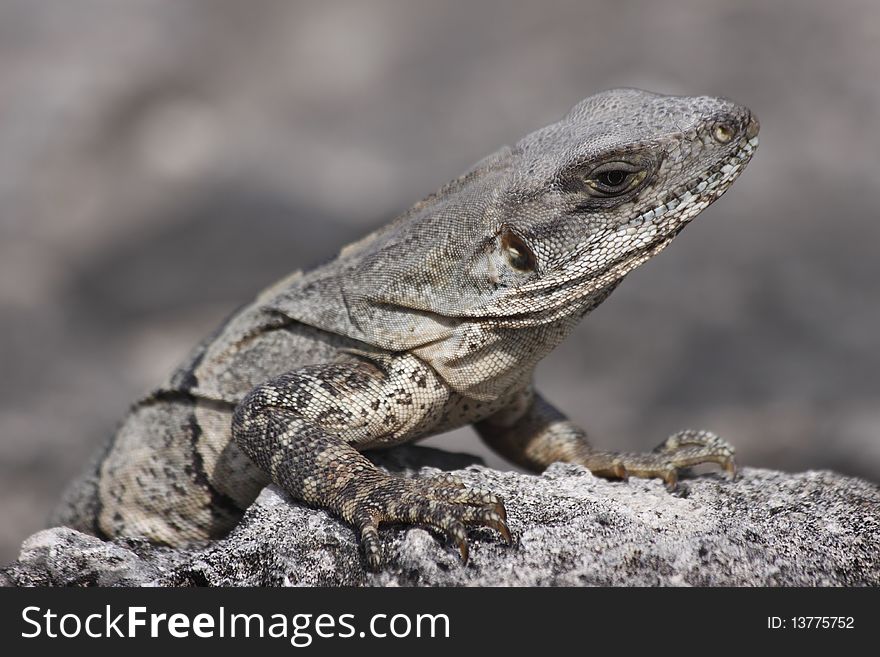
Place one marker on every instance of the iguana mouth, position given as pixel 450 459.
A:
pixel 667 220
pixel 706 189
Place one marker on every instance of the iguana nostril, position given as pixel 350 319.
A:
pixel 753 127
pixel 723 132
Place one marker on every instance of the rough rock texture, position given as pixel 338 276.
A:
pixel 569 527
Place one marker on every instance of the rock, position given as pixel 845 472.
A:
pixel 569 528
pixel 63 556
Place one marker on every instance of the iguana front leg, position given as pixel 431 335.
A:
pixel 304 429
pixel 534 434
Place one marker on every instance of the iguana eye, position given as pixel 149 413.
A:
pixel 614 179
pixel 518 253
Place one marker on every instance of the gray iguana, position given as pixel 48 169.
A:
pixel 433 321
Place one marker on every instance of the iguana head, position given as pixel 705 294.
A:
pixel 533 236
pixel 591 197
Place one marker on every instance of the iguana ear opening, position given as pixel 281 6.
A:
pixel 518 253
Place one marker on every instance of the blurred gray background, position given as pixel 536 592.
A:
pixel 161 161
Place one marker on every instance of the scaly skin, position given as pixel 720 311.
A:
pixel 434 321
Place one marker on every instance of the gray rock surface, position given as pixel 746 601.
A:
pixel 569 528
